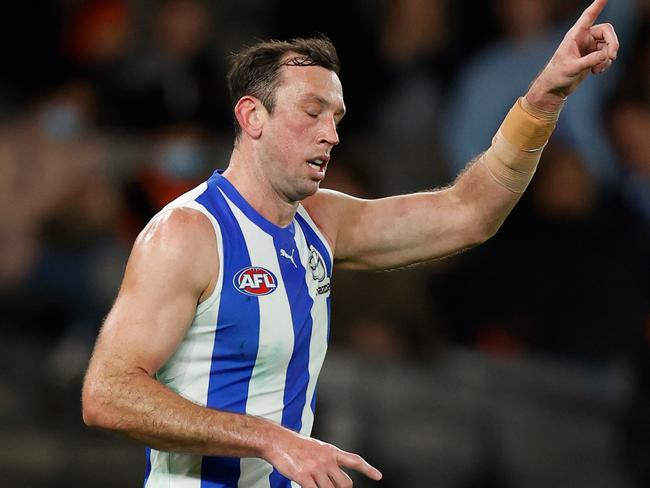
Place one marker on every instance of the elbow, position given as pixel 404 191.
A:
pixel 480 233
pixel 489 230
pixel 475 221
pixel 90 410
pixel 484 225
pixel 93 407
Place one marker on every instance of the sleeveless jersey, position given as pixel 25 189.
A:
pixel 257 344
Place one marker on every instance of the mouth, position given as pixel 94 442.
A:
pixel 318 164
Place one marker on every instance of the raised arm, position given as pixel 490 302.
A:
pixel 173 267
pixel 398 231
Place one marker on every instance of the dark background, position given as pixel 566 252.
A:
pixel 521 363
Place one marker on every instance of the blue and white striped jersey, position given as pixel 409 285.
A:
pixel 257 344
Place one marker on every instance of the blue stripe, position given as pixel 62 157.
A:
pixel 236 338
pixel 297 378
pixel 147 470
pixel 246 208
pixel 313 239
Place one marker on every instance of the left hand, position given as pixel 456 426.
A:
pixel 585 48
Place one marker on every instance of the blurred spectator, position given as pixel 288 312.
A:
pixel 177 160
pixel 404 139
pixel 166 76
pixel 630 128
pixel 99 32
pixel 413 28
pixel 629 125
pixel 46 155
pixel 179 81
pixel 58 211
pixel 99 41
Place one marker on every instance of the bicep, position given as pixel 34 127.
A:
pixel 163 283
pixel 407 229
pixel 402 230
pixel 396 231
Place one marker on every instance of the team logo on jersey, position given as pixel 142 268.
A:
pixel 318 271
pixel 316 264
pixel 255 281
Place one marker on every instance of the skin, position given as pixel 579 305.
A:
pixel 168 275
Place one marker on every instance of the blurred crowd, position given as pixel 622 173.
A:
pixel 111 108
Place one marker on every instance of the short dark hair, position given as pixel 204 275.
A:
pixel 255 70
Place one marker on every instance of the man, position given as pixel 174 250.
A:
pixel 225 299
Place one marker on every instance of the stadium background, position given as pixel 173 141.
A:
pixel 522 363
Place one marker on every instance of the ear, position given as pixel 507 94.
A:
pixel 251 115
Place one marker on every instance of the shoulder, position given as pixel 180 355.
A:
pixel 177 229
pixel 179 242
pixel 329 209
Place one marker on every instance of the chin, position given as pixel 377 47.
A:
pixel 307 190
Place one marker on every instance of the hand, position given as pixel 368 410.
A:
pixel 315 464
pixel 585 48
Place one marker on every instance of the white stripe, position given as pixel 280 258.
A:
pixel 305 215
pixel 266 387
pixel 174 470
pixel 318 341
pixel 187 372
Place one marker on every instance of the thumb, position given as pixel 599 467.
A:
pixel 590 61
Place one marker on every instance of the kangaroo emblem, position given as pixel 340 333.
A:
pixel 316 264
pixel 284 254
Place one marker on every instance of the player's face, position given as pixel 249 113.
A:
pixel 302 130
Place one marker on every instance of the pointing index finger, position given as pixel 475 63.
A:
pixel 359 464
pixel 590 14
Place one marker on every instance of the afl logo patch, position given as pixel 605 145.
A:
pixel 255 281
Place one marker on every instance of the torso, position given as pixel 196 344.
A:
pixel 257 343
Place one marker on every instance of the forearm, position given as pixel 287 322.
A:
pixel 137 405
pixel 495 180
pixel 486 202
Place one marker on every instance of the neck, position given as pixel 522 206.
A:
pixel 252 183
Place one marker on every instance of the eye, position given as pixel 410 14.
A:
pixel 312 114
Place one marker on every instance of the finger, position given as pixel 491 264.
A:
pixel 310 483
pixel 590 14
pixel 602 67
pixel 356 462
pixel 590 61
pixel 323 481
pixel 340 479
pixel 606 33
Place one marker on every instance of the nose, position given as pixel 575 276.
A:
pixel 329 133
